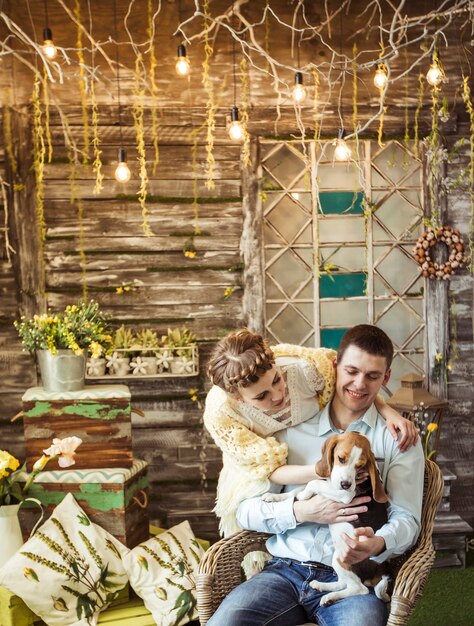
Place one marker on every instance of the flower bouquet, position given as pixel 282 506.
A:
pixel 12 494
pixel 11 491
pixel 62 341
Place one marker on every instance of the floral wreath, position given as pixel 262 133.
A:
pixel 447 235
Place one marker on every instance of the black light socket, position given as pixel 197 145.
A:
pixel 47 34
pixel 122 155
pixel 298 78
pixel 341 133
pixel 181 50
pixel 234 114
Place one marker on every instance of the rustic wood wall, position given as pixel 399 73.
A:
pixel 174 290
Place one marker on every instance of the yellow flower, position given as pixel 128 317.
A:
pixel 449 367
pixel 118 289
pixel 439 357
pixel 7 462
pixel 431 427
pixel 190 254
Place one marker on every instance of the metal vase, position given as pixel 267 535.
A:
pixel 64 371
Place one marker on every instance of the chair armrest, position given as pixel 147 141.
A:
pixel 412 575
pixel 220 569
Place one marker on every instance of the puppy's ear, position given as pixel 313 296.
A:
pixel 324 466
pixel 378 490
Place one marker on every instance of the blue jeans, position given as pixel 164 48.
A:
pixel 280 595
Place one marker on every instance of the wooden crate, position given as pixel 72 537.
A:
pixel 99 414
pixel 112 498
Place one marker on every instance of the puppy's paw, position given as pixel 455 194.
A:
pixel 274 497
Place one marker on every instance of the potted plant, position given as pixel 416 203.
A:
pixel 62 341
pixel 118 361
pixel 181 343
pixel 147 343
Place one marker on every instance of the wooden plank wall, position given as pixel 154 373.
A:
pixel 169 288
pixel 457 434
pixel 172 290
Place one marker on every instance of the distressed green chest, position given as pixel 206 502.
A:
pixel 99 414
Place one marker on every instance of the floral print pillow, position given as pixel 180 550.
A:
pixel 69 570
pixel 162 572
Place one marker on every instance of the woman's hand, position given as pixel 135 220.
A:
pixel 321 510
pixel 402 430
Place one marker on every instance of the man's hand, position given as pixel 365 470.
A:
pixel 321 510
pixel 362 546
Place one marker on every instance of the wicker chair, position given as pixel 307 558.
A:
pixel 220 569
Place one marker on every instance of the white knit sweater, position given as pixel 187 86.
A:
pixel 243 433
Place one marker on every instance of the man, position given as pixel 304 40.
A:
pixel 301 545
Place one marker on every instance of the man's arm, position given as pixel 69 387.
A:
pixel 278 517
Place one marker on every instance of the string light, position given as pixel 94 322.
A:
pixel 342 152
pixel 236 132
pixel 434 76
pixel 380 77
pixel 49 49
pixel 182 64
pixel 299 91
pixel 122 172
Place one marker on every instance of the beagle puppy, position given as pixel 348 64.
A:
pixel 343 457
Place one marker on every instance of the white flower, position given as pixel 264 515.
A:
pixel 65 449
pixel 184 365
pixel 112 360
pixel 138 366
pixel 164 359
pixel 94 367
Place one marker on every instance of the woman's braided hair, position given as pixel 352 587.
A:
pixel 239 360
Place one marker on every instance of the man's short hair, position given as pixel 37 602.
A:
pixel 368 338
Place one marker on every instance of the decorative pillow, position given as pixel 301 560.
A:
pixel 69 570
pixel 162 572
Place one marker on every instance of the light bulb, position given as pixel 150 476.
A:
pixel 380 78
pixel 299 91
pixel 236 132
pixel 342 152
pixel 122 172
pixel 49 49
pixel 182 64
pixel 434 75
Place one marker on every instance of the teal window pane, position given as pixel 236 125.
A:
pixel 338 202
pixel 337 285
pixel 331 337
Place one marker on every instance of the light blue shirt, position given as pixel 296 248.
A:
pixel 402 475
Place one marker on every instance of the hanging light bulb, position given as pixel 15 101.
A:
pixel 236 132
pixel 342 152
pixel 380 77
pixel 435 74
pixel 182 64
pixel 49 49
pixel 122 173
pixel 299 91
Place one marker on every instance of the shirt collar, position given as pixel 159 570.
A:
pixel 326 425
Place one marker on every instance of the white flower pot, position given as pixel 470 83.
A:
pixel 151 365
pixel 96 367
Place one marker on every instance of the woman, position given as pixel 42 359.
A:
pixel 258 391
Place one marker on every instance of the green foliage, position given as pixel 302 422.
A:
pixel 178 338
pixel 123 338
pixel 146 338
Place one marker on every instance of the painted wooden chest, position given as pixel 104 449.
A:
pixel 99 414
pixel 114 498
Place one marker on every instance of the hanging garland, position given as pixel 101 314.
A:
pixel 452 239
